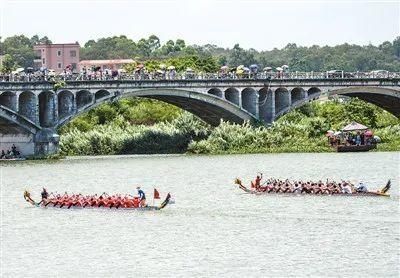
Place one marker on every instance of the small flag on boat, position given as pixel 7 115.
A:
pixel 156 194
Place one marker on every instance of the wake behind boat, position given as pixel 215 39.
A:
pixel 276 186
pixel 79 201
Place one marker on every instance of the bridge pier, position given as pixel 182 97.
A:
pixel 266 104
pixel 46 142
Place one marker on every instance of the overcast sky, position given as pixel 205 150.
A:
pixel 259 24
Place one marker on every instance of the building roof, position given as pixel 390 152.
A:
pixel 56 44
pixel 106 62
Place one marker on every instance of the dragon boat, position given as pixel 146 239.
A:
pixel 132 203
pixel 379 193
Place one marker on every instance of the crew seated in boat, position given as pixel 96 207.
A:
pixel 346 188
pixel 362 188
pixel 142 197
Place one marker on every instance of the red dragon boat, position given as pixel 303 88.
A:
pixel 78 201
pixel 379 193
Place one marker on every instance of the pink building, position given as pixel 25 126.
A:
pixel 57 56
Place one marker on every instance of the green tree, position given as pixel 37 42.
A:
pixel 20 48
pixel 8 64
pixel 396 47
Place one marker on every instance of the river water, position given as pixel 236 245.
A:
pixel 213 229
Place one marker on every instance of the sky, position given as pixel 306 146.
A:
pixel 257 24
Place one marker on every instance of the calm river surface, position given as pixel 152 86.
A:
pixel 213 229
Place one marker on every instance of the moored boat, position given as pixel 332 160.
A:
pixel 126 203
pixel 354 148
pixel 382 192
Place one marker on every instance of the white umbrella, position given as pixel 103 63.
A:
pixel 163 66
pixel 246 69
pixel 267 69
pixel 171 68
pixel 279 69
pixel 285 66
pixel 337 133
pixel 18 70
pixel 189 70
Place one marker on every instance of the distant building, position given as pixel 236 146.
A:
pixel 57 56
pixel 105 64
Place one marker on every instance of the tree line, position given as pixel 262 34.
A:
pixel 18 52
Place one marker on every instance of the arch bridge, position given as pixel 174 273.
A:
pixel 36 110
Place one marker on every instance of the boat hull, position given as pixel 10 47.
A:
pixel 100 208
pixel 362 148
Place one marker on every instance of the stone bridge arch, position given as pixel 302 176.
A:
pixel 9 99
pixel 16 122
pixel 27 105
pixel 66 103
pixel 386 98
pixel 209 107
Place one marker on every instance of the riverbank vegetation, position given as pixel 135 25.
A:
pixel 135 126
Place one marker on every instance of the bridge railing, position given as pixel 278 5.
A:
pixel 201 76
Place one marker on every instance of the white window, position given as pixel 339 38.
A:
pixel 59 53
pixel 59 65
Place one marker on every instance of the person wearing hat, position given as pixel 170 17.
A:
pixel 142 197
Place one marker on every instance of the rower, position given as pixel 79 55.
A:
pixel 142 197
pixel 362 188
pixel 44 194
pixel 257 182
pixel 346 189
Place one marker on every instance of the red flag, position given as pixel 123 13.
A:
pixel 156 194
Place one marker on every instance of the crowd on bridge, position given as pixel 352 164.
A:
pixel 10 154
pixel 171 73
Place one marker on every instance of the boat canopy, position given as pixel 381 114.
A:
pixel 354 126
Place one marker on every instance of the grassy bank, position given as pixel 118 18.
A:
pixel 147 126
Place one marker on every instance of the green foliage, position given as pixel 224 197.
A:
pixel 59 85
pixel 123 127
pixel 123 113
pixel 163 137
pixel 8 64
pixel 302 130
